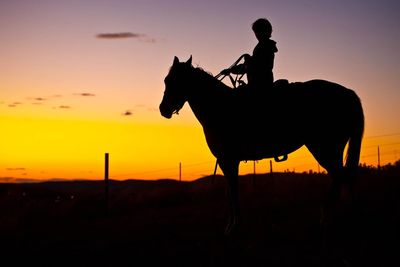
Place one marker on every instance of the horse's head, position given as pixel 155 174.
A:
pixel 176 82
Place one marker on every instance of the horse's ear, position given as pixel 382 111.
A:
pixel 176 61
pixel 189 61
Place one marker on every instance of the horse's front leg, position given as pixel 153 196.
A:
pixel 230 168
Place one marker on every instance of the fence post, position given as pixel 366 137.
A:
pixel 254 174
pixel 215 171
pixel 106 182
pixel 180 171
pixel 270 168
pixel 379 159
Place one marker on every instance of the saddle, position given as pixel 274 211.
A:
pixel 277 85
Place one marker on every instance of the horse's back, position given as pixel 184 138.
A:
pixel 325 108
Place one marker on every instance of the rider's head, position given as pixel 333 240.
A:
pixel 262 28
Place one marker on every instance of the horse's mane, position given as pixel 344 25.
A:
pixel 205 77
pixel 209 78
pixel 200 69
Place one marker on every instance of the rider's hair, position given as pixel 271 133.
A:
pixel 262 25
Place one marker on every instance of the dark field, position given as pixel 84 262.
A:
pixel 168 223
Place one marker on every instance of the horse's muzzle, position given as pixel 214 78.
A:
pixel 165 112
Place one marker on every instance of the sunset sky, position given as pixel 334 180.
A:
pixel 82 78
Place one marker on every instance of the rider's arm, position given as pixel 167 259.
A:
pixel 239 69
pixel 242 68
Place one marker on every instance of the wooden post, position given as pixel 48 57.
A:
pixel 379 159
pixel 106 182
pixel 215 171
pixel 270 168
pixel 180 171
pixel 254 173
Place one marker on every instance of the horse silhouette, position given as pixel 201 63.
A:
pixel 242 124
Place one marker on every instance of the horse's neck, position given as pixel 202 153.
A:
pixel 207 96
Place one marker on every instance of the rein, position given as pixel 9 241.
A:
pixel 238 79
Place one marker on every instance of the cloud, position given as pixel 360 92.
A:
pixel 124 35
pixel 18 180
pixel 15 104
pixel 64 107
pixel 7 180
pixel 127 113
pixel 120 35
pixel 85 94
pixel 15 169
pixel 37 100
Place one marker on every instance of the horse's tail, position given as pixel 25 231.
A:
pixel 356 135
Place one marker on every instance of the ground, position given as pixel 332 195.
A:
pixel 171 223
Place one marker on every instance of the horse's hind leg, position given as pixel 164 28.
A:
pixel 331 158
pixel 230 168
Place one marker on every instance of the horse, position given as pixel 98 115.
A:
pixel 245 124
